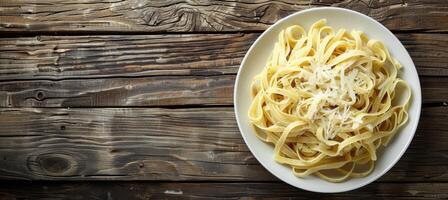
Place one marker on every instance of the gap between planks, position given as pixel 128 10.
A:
pixel 211 190
pixel 11 34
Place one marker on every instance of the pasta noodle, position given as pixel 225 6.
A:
pixel 327 100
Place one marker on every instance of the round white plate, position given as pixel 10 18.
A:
pixel 255 60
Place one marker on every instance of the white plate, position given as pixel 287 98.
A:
pixel 255 60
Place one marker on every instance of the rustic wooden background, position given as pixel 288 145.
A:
pixel 120 99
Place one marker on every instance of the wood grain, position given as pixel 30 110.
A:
pixel 168 144
pixel 149 91
pixel 191 16
pixel 192 190
pixel 62 57
pixel 59 57
pixel 113 92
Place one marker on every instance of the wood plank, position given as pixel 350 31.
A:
pixel 62 57
pixel 168 144
pixel 192 190
pixel 58 57
pixel 149 91
pixel 428 52
pixel 191 16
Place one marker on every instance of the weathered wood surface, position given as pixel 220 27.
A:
pixel 192 190
pixel 124 79
pixel 62 57
pixel 168 144
pixel 188 16
pixel 149 91
pixel 55 57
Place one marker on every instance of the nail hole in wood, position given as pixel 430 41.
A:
pixel 62 127
pixel 40 95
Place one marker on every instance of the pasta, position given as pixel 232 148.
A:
pixel 327 100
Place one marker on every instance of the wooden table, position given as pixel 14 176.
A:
pixel 133 99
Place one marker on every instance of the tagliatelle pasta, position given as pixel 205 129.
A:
pixel 328 100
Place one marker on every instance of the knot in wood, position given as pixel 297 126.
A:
pixel 54 164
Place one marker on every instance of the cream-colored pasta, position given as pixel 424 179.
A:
pixel 328 100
